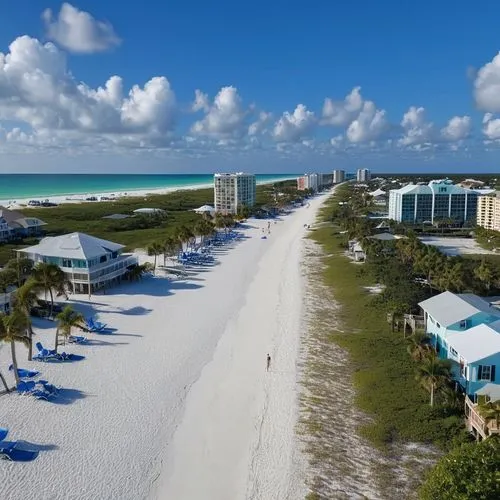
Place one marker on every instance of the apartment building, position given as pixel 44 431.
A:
pixel 232 191
pixel 488 211
pixel 338 176
pixel 363 175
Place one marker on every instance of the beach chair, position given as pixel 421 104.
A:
pixel 45 354
pixel 49 388
pixel 9 451
pixel 25 387
pixel 3 433
pixel 22 373
pixel 76 339
pixel 94 326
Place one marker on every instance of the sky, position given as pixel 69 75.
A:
pixel 267 86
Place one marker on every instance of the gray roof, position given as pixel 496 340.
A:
pixel 386 237
pixel 448 308
pixel 491 390
pixel 16 219
pixel 476 343
pixel 73 246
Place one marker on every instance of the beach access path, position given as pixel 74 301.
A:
pixel 177 402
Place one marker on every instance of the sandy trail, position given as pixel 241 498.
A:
pixel 176 403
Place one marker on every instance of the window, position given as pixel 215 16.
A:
pixel 453 351
pixel 438 325
pixel 463 324
pixel 486 372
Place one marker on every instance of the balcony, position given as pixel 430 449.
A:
pixel 476 423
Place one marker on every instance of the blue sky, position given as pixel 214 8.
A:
pixel 422 77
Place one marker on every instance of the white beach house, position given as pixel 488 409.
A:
pixel 89 263
pixel 14 224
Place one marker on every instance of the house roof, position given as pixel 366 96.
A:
pixel 386 237
pixel 73 246
pixel 148 211
pixel 448 308
pixel 378 192
pixel 15 219
pixel 205 208
pixel 491 390
pixel 477 343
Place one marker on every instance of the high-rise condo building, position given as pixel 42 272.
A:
pixel 232 191
pixel 440 199
pixel 363 175
pixel 338 176
pixel 488 211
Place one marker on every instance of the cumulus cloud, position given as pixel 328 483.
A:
pixel 417 130
pixel 457 128
pixel 259 126
pixel 224 118
pixel 370 124
pixel 487 86
pixel 37 89
pixel 201 102
pixel 292 127
pixel 491 127
pixel 341 113
pixel 77 31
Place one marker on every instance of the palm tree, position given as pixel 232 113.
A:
pixel 12 330
pixel 4 382
pixel 170 247
pixel 25 299
pixel 66 320
pixel 451 277
pixel 418 346
pixel 490 410
pixel 50 278
pixel 432 373
pixel 155 249
pixel 137 272
pixel 183 234
pixel 22 267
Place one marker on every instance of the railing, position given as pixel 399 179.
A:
pixel 475 421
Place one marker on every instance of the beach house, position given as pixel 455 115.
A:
pixel 89 263
pixel 14 224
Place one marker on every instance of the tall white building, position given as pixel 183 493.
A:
pixel 488 211
pixel 232 191
pixel 363 175
pixel 338 176
pixel 440 199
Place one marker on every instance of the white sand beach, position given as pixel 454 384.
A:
pixel 176 403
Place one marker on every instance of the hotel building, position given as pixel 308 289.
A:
pixel 232 191
pixel 440 199
pixel 89 263
pixel 488 212
pixel 338 176
pixel 363 175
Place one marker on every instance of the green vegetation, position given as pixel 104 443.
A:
pixel 139 231
pixel 471 471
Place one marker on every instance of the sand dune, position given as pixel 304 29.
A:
pixel 176 403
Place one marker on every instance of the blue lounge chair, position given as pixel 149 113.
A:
pixel 25 387
pixel 9 451
pixel 94 326
pixel 45 354
pixel 24 373
pixel 49 388
pixel 75 339
pixel 3 433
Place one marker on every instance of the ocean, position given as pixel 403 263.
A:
pixel 20 186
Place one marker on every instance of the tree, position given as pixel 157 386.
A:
pixel 66 320
pixel 22 267
pixel 12 330
pixel 418 346
pixel 7 280
pixel 183 234
pixel 137 272
pixel 468 472
pixel 170 246
pixel 432 373
pixel 485 274
pixel 490 410
pixel 155 249
pixel 50 278
pixel 25 299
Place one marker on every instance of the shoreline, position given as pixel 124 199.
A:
pixel 71 198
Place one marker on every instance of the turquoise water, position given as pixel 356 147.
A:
pixel 19 186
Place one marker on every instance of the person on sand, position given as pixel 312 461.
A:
pixel 268 365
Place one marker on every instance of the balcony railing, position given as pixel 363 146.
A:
pixel 484 428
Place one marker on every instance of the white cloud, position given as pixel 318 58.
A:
pixel 201 102
pixel 344 112
pixel 487 86
pixel 370 124
pixel 37 89
pixel 491 127
pixel 457 128
pixel 417 130
pixel 77 31
pixel 292 127
pixel 224 118
pixel 259 126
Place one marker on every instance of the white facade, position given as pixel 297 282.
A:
pixel 338 176
pixel 232 191
pixel 88 263
pixel 363 175
pixel 488 212
pixel 440 199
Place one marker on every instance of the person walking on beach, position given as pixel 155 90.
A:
pixel 268 365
